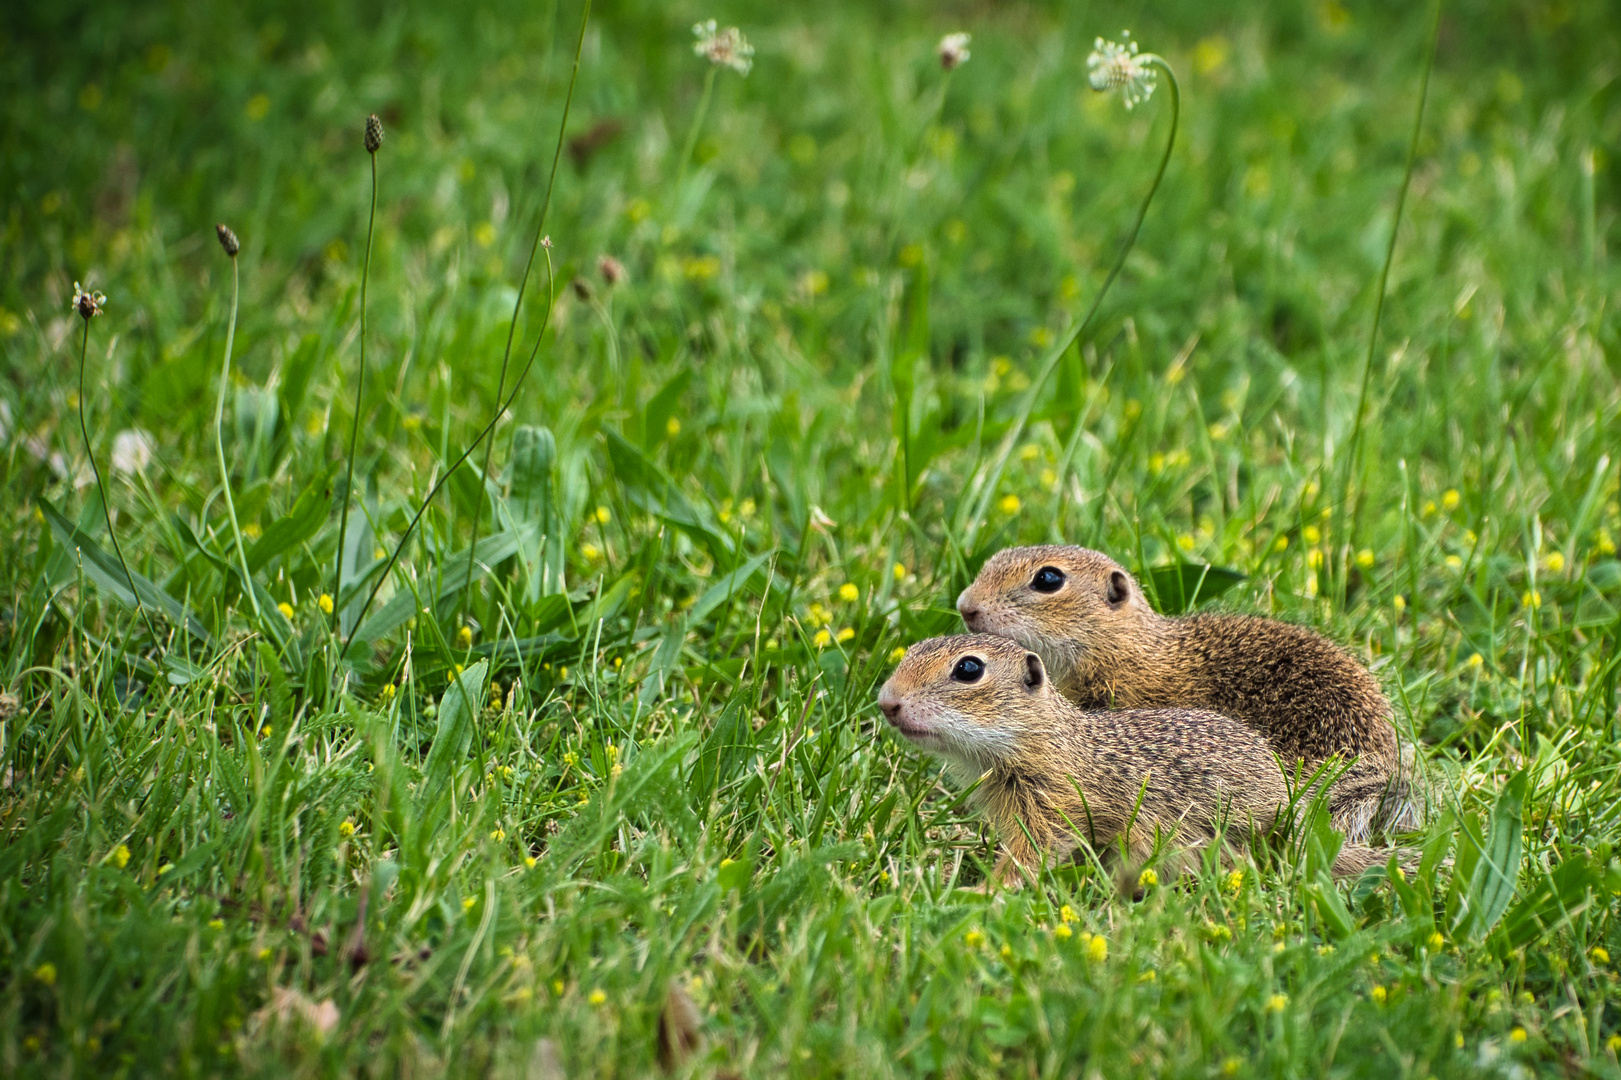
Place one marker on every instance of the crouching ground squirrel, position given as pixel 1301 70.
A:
pixel 1107 648
pixel 1055 775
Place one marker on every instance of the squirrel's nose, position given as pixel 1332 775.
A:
pixel 969 610
pixel 890 707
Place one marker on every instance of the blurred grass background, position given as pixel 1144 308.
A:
pixel 854 228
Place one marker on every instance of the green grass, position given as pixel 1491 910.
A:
pixel 200 832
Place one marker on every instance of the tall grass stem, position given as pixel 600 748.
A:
pixel 106 506
pixel 360 389
pixel 1074 335
pixel 695 128
pixel 219 449
pixel 1354 450
pixel 517 307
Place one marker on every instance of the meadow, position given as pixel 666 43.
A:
pixel 596 785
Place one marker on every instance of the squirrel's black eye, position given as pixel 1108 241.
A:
pixel 1048 579
pixel 968 669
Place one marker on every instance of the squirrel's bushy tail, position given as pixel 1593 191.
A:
pixel 1371 800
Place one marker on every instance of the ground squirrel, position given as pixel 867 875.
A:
pixel 1106 647
pixel 1055 775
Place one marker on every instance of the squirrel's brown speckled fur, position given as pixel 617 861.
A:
pixel 1107 648
pixel 1055 775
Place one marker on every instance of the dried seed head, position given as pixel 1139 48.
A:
pixel 87 304
pixel 374 133
pixel 611 269
pixel 228 240
pixel 953 51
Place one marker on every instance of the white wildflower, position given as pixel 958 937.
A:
pixel 1119 66
pixel 132 451
pixel 723 48
pixel 954 50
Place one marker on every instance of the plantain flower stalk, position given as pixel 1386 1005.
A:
pixel 231 246
pixel 88 305
pixel 373 141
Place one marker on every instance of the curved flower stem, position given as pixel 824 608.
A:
pixel 443 479
pixel 219 450
pixel 1353 452
pixel 1074 335
pixel 106 507
pixel 512 328
pixel 354 426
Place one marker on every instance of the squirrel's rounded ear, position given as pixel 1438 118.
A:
pixel 1119 587
pixel 1034 673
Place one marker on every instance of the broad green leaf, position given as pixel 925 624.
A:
pixel 301 523
pixel 1181 587
pixel 1555 899
pixel 651 490
pixel 533 501
pixel 665 404
pixel 104 569
pixel 1496 872
pixel 459 710
pixel 1325 897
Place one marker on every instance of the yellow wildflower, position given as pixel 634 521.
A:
pixel 1378 994
pixel 1600 954
pixel 1009 504
pixel 325 604
pixel 469 903
pixel 121 856
pixel 897 653
pixel 1449 499
pixel 286 610
pixel 845 635
pixel 216 924
pixel 597 997
pixel 1517 1035
pixel 822 639
pixel 1311 535
pixel 46 973
pixel 973 939
pixel 1435 941
pixel 346 829
pixel 1277 1003
pixel 1067 914
pixel 1147 879
pixel 1364 558
pixel 464 637
pixel 849 593
pixel 1097 949
pixel 1476 661
pixel 1062 932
